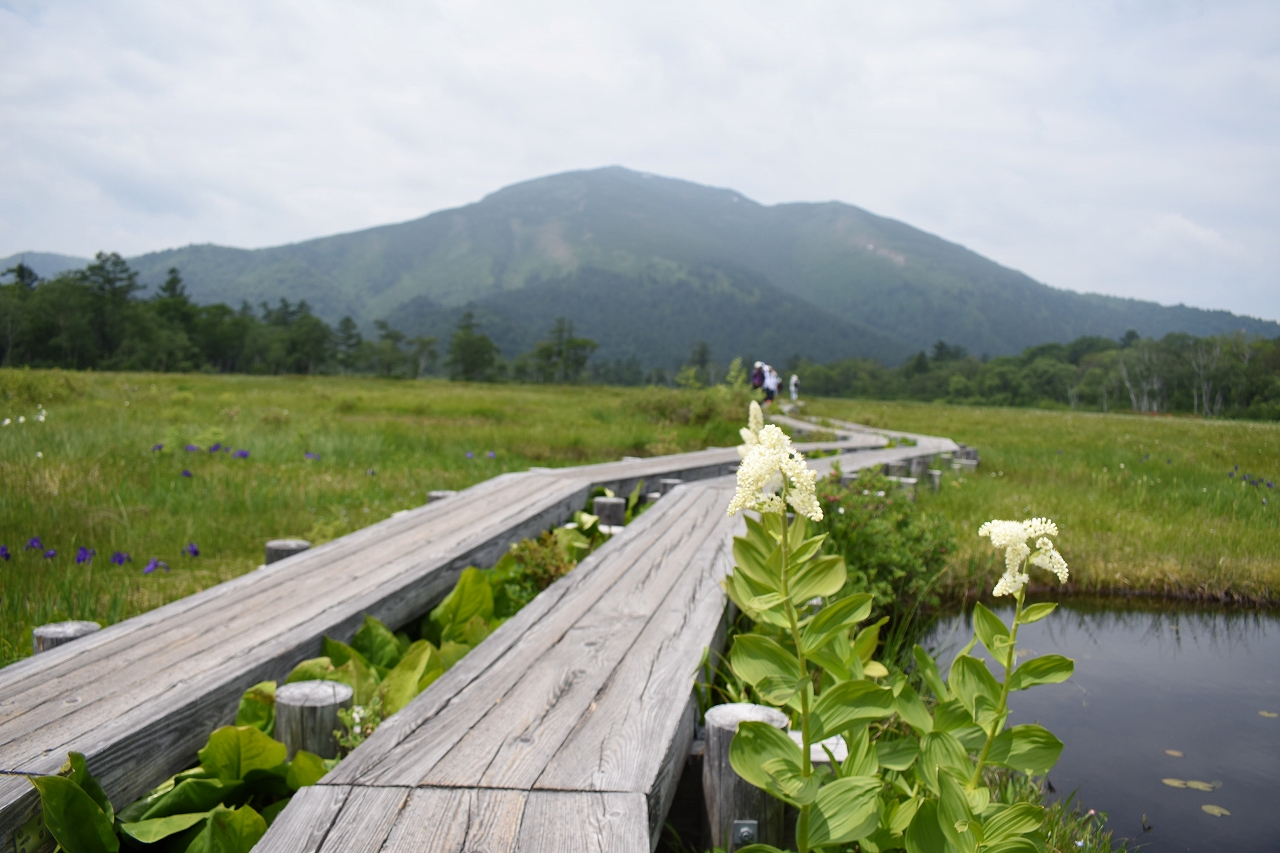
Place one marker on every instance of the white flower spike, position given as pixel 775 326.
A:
pixel 1011 537
pixel 768 463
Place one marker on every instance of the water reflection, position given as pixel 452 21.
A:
pixel 1151 682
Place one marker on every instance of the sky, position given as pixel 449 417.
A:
pixel 1128 148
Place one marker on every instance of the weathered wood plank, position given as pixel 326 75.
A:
pixel 574 822
pixel 366 820
pixel 303 825
pixel 454 820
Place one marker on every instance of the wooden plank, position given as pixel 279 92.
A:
pixel 303 825
pixel 365 821
pixel 454 820
pixel 577 822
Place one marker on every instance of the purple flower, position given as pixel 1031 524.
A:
pixel 186 473
pixel 310 455
pixel 191 550
pixel 155 564
pixel 1270 485
pixel 240 454
pixel 156 448
pixel 34 544
pixel 50 554
pixel 470 455
pixel 84 555
pixel 191 448
pixel 217 445
pixel 491 455
pixel 1231 473
pixel 4 553
pixel 120 558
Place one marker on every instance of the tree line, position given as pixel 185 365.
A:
pixel 1222 376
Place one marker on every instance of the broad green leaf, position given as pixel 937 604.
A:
pixel 955 818
pixel 451 652
pixel 863 758
pixel 901 815
pixel 753 562
pixel 970 677
pixel 232 751
pixel 807 550
pixel 847 703
pixel 769 759
pixel 340 652
pixel 476 629
pixel 401 684
pixel 950 716
pixel 755 658
pixel 941 750
pixel 845 810
pixel 1036 612
pixel 897 754
pixel 868 638
pixel 472 596
pixel 929 672
pixel 759 848
pixel 430 676
pixel 1013 821
pixel 835 665
pixel 820 577
pixel 1014 845
pixel 153 829
pixel 73 818
pixel 305 769
pixel 924 835
pixel 78 769
pixel 908 706
pixel 834 619
pixel 377 643
pixel 229 831
pixel 315 669
pixel 987 714
pixel 258 707
pixel 191 795
pixel 362 678
pixel 1046 669
pixel 1030 749
pixel 271 812
pixel 992 632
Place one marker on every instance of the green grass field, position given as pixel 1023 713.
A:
pixel 87 477
pixel 1143 503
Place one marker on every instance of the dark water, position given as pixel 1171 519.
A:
pixel 1146 682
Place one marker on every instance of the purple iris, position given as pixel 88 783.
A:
pixel 50 554
pixel 310 455
pixel 34 544
pixel 1270 485
pixel 191 448
pixel 186 473
pixel 470 455
pixel 156 448
pixel 4 553
pixel 240 454
pixel 120 558
pixel 1231 473
pixel 491 455
pixel 217 445
pixel 155 564
pixel 191 550
pixel 84 555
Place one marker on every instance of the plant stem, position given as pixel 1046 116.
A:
pixel 1009 661
pixel 806 766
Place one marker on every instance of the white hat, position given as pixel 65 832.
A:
pixel 759 364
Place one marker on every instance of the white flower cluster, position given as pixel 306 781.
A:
pixel 1012 537
pixel 751 432
pixel 768 459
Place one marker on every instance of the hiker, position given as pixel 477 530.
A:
pixel 771 380
pixel 757 376
pixel 795 387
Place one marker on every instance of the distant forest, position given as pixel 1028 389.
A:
pixel 99 318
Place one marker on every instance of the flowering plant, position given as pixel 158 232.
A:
pixel 912 775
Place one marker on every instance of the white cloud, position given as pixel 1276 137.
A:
pixel 1122 148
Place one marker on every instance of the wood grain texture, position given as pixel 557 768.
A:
pixel 575 822
pixel 458 820
pixel 365 821
pixel 303 825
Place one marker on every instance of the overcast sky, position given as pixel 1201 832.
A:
pixel 1128 148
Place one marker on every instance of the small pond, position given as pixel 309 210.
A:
pixel 1159 693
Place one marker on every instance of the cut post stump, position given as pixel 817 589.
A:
pixel 56 633
pixel 278 549
pixel 729 797
pixel 612 511
pixel 307 715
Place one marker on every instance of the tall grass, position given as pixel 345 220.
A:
pixel 87 475
pixel 1145 504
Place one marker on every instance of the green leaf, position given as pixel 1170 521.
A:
pixel 258 707
pixel 305 769
pixel 924 835
pixel 807 550
pixel 929 672
pixel 845 810
pixel 151 830
pixel 847 703
pixel 472 596
pixel 78 769
pixel 315 669
pixel 271 812
pixel 954 816
pixel 1014 845
pixel 1046 669
pixel 897 754
pixel 992 632
pixel 755 658
pixel 73 818
pixel 362 678
pixel 229 831
pixel 1030 749
pixel 821 576
pixel 232 751
pixel 1036 612
pixel 901 815
pixel 970 677
pixel 377 643
pixel 769 759
pixel 401 684
pixel 451 652
pixel 1013 821
pixel 834 619
pixel 941 750
pixel 868 638
pixel 863 758
pixel 754 563
pixel 191 795
pixel 474 632
pixel 950 716
pixel 908 706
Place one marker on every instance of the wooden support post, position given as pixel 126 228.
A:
pixel 307 715
pixel 935 479
pixel 56 633
pixel 278 549
pixel 908 484
pixel 729 797
pixel 612 511
pixel 666 484
pixel 439 495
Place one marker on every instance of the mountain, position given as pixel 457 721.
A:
pixel 648 265
pixel 45 264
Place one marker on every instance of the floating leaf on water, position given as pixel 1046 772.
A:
pixel 1216 811
pixel 1175 783
pixel 1199 786
pixel 1269 714
pixel 1176 753
pixel 1216 783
